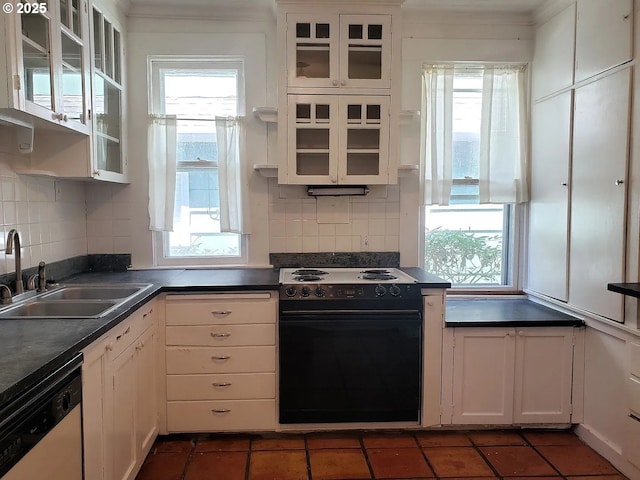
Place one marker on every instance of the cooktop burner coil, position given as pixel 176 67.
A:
pixel 309 271
pixel 377 276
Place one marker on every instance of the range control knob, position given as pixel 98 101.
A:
pixel 319 291
pixel 290 291
pixel 305 292
pixel 380 291
pixel 394 290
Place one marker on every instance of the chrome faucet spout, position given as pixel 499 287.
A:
pixel 13 243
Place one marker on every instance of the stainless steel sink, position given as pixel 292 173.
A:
pixel 74 301
pixel 95 292
pixel 60 309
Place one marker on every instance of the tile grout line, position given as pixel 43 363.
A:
pixel 192 451
pixel 366 457
pixel 483 456
pixel 308 456
pixel 424 455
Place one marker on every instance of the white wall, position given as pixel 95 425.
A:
pixel 48 214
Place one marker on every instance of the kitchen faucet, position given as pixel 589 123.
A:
pixel 13 242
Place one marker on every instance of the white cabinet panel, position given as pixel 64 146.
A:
pixel 553 54
pixel 549 206
pixel 598 190
pixel 504 376
pixel 544 358
pixel 483 376
pixel 603 35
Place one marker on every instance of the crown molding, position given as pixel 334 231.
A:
pixel 213 11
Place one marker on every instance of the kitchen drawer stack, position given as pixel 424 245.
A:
pixel 221 360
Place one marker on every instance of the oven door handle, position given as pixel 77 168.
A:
pixel 355 315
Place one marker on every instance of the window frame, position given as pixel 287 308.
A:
pixel 513 231
pixel 155 64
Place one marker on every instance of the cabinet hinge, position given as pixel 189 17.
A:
pixel 571 409
pixel 16 82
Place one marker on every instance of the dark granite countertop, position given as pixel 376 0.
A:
pixel 500 312
pixel 631 289
pixel 30 349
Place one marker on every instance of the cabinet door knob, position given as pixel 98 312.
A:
pixel 619 182
pixel 564 184
pixel 334 179
pixel 343 83
pixel 335 83
pixel 109 347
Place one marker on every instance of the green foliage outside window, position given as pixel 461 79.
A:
pixel 464 257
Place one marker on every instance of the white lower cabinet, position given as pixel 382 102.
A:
pixel 221 362
pixel 120 414
pixel 504 376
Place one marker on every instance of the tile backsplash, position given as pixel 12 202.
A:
pixel 49 215
pixel 295 227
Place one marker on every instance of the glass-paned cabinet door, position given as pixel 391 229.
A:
pixel 364 139
pixel 313 139
pixel 312 50
pixel 365 51
pixel 74 42
pixel 37 65
pixel 107 96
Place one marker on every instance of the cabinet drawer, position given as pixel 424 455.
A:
pixel 222 335
pixel 221 360
pixel 243 386
pixel 124 334
pixel 225 309
pixel 221 415
pixel 634 395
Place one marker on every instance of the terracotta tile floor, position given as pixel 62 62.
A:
pixel 471 455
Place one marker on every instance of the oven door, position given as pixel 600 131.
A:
pixel 349 366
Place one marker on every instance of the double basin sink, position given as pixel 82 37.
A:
pixel 74 301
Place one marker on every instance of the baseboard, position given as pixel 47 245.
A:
pixel 611 452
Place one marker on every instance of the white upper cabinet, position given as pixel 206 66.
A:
pixel 553 54
pixel 338 139
pixel 603 35
pixel 46 60
pixel 549 204
pixel 108 97
pixel 345 51
pixel 598 193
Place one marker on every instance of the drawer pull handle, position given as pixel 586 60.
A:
pixel 220 335
pixel 145 315
pixel 123 334
pixel 221 312
pixel 220 357
pixel 221 410
pixel 221 384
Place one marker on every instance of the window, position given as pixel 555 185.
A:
pixel 469 237
pixel 197 92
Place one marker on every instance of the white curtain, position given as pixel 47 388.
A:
pixel 503 141
pixel 503 137
pixel 234 214
pixel 437 123
pixel 161 159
